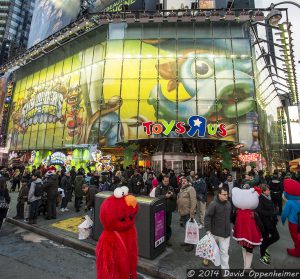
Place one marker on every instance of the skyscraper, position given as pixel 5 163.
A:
pixel 15 19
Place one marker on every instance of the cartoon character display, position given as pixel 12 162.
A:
pixel 117 250
pixel 291 211
pixel 246 231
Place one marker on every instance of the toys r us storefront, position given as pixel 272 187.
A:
pixel 152 94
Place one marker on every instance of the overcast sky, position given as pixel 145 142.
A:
pixel 294 13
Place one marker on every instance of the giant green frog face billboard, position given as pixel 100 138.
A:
pixel 104 94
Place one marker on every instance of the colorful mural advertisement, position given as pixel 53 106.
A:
pixel 50 16
pixel 105 94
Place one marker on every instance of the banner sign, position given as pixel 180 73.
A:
pixel 251 157
pixel 197 126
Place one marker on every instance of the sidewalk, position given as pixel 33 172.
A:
pixel 173 262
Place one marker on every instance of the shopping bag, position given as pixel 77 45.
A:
pixel 191 232
pixel 207 248
pixel 85 228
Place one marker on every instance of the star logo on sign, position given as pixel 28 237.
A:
pixel 197 122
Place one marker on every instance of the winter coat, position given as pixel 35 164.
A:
pixel 3 212
pixel 79 181
pixel 161 191
pixel 66 183
pixel 31 196
pixel 201 189
pixel 276 188
pixel 23 194
pixel 90 197
pixel 135 184
pixel 266 212
pixel 217 218
pixel 214 181
pixel 51 186
pixel 187 201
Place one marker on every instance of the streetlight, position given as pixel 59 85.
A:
pixel 274 15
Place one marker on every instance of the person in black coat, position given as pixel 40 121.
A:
pixel 3 194
pixel 136 183
pixel 267 213
pixel 66 185
pixel 276 187
pixel 51 183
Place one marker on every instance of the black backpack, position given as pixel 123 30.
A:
pixel 38 191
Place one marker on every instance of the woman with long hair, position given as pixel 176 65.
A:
pixel 4 200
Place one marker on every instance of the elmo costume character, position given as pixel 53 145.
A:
pixel 291 212
pixel 246 231
pixel 116 251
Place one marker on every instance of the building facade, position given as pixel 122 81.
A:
pixel 15 23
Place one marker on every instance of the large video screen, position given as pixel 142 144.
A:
pixel 140 88
pixel 50 16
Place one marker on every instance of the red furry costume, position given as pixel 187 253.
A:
pixel 291 211
pixel 117 251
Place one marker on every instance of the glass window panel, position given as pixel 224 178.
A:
pixel 99 52
pixel 149 50
pixel 221 30
pixel 93 132
pixel 88 56
pixel 150 31
pixel 205 89
pixel 185 30
pixel 43 75
pixel 111 87
pixel 49 135
pixel 97 70
pixel 76 63
pixel 114 49
pixel 95 92
pixel 167 30
pixel 223 68
pixel 225 90
pixel 148 110
pixel 248 136
pixel 244 89
pixel 206 108
pixel 109 130
pixel 203 30
pixel 241 47
pixel 129 110
pixel 130 89
pixel 67 65
pixel 133 31
pixel 236 30
pixel 222 47
pixel 50 73
pixel 167 48
pixel 113 68
pixel 149 68
pixel 132 49
pixel 41 135
pixel 148 89
pixel 243 68
pixel 131 68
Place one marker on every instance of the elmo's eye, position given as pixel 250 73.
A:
pixel 202 69
pixel 131 217
pixel 122 219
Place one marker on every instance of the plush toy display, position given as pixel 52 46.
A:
pixel 246 231
pixel 291 211
pixel 116 251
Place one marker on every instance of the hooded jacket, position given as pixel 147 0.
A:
pixel 51 185
pixel 31 196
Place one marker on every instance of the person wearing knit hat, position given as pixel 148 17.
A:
pixel 291 212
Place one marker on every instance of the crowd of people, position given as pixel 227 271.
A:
pixel 188 193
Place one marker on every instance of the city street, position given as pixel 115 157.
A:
pixel 29 256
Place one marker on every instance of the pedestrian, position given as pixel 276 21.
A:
pixel 66 185
pixel 229 184
pixel 51 184
pixel 224 175
pixel 16 178
pixel 115 183
pixel 276 188
pixel 214 181
pixel 90 193
pixel 4 200
pixel 247 228
pixel 136 183
pixel 22 199
pixel 164 190
pixel 79 181
pixel 267 214
pixel 186 204
pixel 201 193
pixel 192 177
pixel 217 223
pixel 34 196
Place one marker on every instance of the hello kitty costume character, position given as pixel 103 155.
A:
pixel 246 231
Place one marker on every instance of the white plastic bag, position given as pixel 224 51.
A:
pixel 152 193
pixel 207 248
pixel 84 229
pixel 191 232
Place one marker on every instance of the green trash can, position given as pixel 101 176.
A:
pixel 150 224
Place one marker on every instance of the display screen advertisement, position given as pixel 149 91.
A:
pixel 159 226
pixel 115 6
pixel 104 94
pixel 50 16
